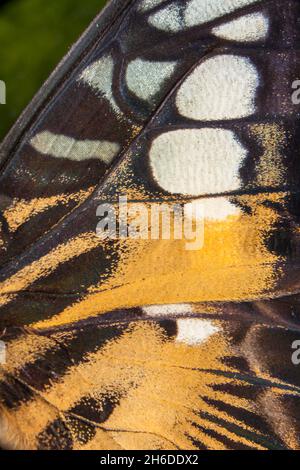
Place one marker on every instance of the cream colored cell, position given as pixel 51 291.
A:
pixel 220 88
pixel 168 19
pixel 197 161
pixel 99 76
pixel 145 78
pixel 177 17
pixel 147 5
pixel 61 146
pixel 247 28
pixel 203 11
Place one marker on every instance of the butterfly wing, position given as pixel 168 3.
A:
pixel 176 102
pixel 220 379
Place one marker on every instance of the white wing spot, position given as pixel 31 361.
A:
pixel 213 209
pixel 176 17
pixel 221 88
pixel 194 331
pixel 202 11
pixel 248 28
pixel 61 146
pixel 99 76
pixel 166 310
pixel 147 5
pixel 197 161
pixel 145 78
pixel 169 19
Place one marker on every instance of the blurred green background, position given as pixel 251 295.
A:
pixel 34 36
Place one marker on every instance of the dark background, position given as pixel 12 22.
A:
pixel 34 36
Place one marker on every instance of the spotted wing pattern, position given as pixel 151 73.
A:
pixel 142 343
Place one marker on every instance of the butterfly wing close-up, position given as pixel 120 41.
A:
pixel 137 341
